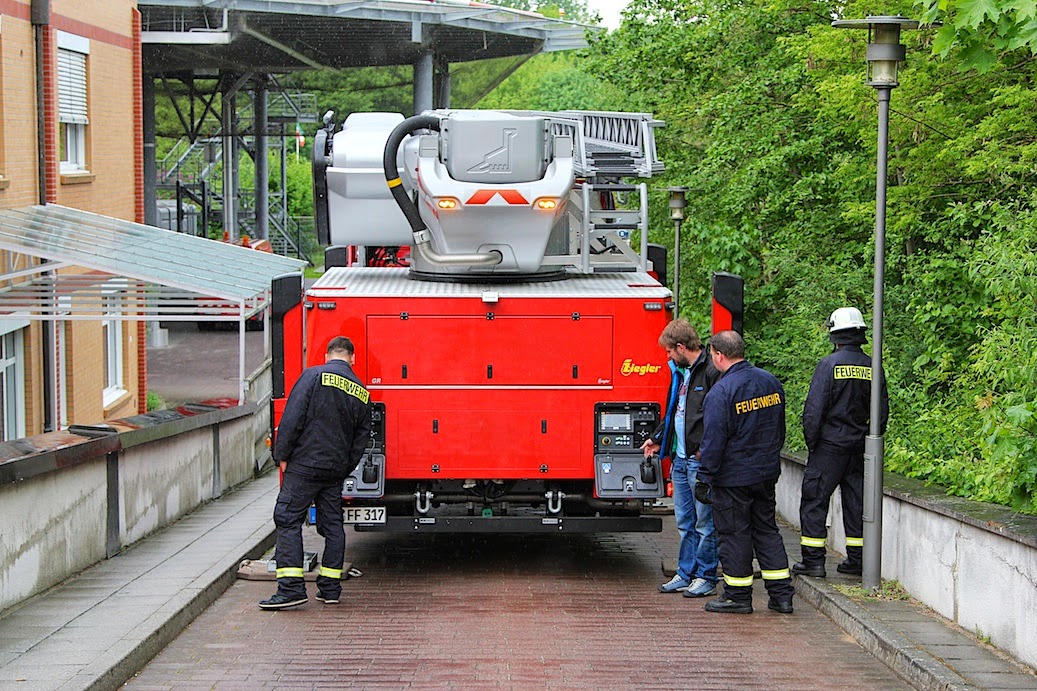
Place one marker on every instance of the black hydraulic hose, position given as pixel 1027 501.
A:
pixel 392 172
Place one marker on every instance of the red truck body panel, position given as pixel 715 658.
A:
pixel 490 381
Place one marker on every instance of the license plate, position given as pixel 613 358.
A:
pixel 364 514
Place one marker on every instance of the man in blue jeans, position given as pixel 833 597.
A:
pixel 678 437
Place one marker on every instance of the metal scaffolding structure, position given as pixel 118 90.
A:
pixel 220 60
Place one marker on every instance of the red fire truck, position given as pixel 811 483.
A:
pixel 513 363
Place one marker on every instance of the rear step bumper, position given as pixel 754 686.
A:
pixel 517 524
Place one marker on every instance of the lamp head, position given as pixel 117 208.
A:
pixel 884 48
pixel 677 202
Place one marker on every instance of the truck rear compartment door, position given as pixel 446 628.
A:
pixel 491 352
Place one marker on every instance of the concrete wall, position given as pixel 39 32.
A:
pixel 974 563
pixel 242 446
pixel 78 501
pixel 162 481
pixel 53 526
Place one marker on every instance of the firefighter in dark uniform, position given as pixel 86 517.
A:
pixel 321 438
pixel 740 456
pixel 836 418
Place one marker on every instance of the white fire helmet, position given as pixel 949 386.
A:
pixel 845 318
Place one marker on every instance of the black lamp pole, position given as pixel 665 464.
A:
pixel 883 54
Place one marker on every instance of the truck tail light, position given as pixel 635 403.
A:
pixel 447 203
pixel 546 203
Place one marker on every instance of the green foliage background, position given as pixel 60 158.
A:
pixel 770 125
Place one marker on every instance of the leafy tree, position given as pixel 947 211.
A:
pixel 982 31
pixel 552 82
pixel 771 128
pixel 299 187
pixel 571 10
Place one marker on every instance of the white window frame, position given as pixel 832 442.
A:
pixel 12 378
pixel 73 155
pixel 112 333
pixel 72 100
pixel 61 328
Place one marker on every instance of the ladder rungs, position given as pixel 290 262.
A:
pixel 614 226
pixel 615 213
pixel 613 188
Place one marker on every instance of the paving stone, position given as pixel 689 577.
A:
pixel 992 681
pixel 508 612
pixel 22 638
pixel 980 661
pixel 939 635
pixel 37 685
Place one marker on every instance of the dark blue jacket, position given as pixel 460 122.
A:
pixel 838 406
pixel 743 428
pixel 703 376
pixel 327 421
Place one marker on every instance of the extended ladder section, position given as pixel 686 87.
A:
pixel 608 150
pixel 607 144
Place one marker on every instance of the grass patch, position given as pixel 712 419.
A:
pixel 889 590
pixel 155 402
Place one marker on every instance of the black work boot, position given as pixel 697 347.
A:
pixel 852 568
pixel 815 570
pixel 328 598
pixel 779 605
pixel 282 601
pixel 728 606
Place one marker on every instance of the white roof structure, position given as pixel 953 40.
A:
pixel 101 265
pixel 284 35
pixel 67 264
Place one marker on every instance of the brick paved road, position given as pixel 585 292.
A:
pixel 516 612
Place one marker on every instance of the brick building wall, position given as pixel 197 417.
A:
pixel 111 187
pixel 17 72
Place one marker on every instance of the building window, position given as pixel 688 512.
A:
pixel 112 343
pixel 12 380
pixel 72 98
pixel 113 384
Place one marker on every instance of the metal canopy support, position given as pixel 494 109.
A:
pixel 229 118
pixel 441 82
pixel 304 59
pixel 242 383
pixel 150 161
pixel 423 83
pixel 228 141
pixel 262 167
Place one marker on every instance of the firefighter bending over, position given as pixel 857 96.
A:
pixel 322 436
pixel 835 421
pixel 740 457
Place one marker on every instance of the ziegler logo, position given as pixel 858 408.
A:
pixel 629 368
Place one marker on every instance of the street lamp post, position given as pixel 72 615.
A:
pixel 677 205
pixel 883 54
